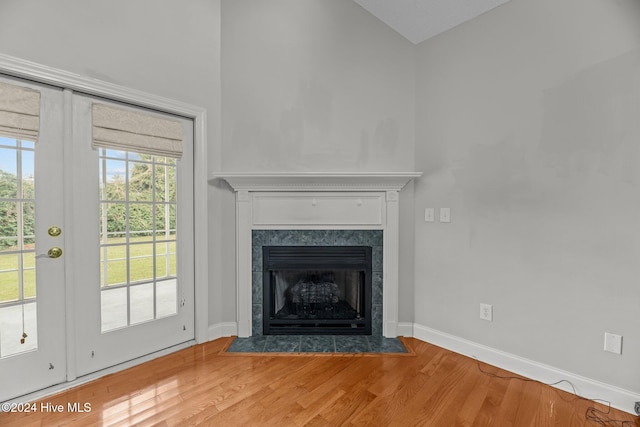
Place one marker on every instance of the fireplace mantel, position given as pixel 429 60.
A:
pixel 332 200
pixel 315 181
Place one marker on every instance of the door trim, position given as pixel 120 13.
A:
pixel 71 82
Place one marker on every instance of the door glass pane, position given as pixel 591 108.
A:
pixel 141 262
pixel 115 268
pixel 140 182
pixel 18 324
pixel 138 237
pixel 9 283
pixel 167 298
pixel 113 308
pixel 18 329
pixel 141 303
pixel 141 221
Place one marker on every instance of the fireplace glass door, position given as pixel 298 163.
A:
pixel 317 290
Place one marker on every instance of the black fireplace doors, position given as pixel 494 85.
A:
pixel 317 290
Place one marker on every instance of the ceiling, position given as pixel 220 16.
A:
pixel 418 20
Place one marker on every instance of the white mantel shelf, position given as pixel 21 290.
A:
pixel 317 181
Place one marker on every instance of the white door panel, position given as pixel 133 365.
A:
pixel 32 318
pixel 134 285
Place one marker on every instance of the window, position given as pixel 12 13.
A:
pixel 138 237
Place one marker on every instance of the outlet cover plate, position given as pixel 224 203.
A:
pixel 613 343
pixel 486 312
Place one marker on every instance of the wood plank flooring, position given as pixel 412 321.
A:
pixel 202 385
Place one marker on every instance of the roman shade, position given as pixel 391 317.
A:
pixel 19 112
pixel 126 130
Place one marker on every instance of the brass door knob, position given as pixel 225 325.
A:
pixel 55 231
pixel 55 252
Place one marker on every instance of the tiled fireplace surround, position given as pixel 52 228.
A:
pixel 372 238
pixel 321 209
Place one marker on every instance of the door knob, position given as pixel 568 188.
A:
pixel 55 231
pixel 55 252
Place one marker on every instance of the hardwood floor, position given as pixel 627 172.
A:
pixel 202 386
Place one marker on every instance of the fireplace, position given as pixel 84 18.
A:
pixel 317 290
pixel 313 205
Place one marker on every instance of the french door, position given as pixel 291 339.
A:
pixel 32 239
pixel 111 278
pixel 133 245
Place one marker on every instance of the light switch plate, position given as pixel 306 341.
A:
pixel 429 215
pixel 445 214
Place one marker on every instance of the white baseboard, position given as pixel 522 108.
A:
pixel 405 329
pixel 621 399
pixel 225 329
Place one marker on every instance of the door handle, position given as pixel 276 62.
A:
pixel 55 252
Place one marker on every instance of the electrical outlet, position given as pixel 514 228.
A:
pixel 637 408
pixel 486 312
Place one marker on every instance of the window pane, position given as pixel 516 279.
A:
pixel 140 182
pixel 8 284
pixel 160 218
pixel 8 173
pixel 29 219
pixel 141 303
pixel 141 261
pixel 115 180
pixel 162 259
pixel 166 298
pixel 164 175
pixel 116 219
pixel 161 266
pixel 27 174
pixel 141 219
pixel 172 218
pixel 172 265
pixel 28 260
pixel 8 224
pixel 116 264
pixel 29 274
pixel 11 329
pixel 29 281
pixel 113 308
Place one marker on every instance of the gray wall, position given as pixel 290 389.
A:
pixel 527 127
pixel 316 85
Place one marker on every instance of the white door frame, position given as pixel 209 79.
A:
pixel 72 82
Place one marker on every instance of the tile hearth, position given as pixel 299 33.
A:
pixel 316 344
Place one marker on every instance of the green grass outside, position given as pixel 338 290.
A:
pixel 141 266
